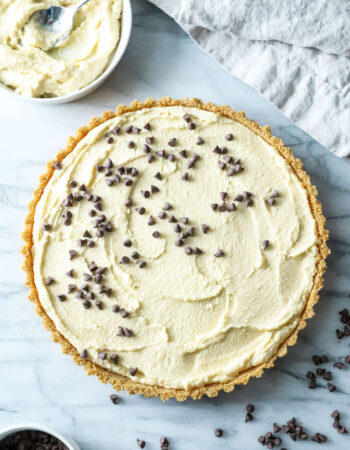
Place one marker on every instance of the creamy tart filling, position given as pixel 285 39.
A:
pixel 174 246
pixel 31 67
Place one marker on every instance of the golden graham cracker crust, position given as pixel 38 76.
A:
pixel 120 382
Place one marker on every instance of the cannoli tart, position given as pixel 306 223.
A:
pixel 175 248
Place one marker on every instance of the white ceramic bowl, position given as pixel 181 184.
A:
pixel 126 25
pixel 68 442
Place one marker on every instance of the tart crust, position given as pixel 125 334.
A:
pixel 120 382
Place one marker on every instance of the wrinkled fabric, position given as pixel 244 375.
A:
pixel 296 53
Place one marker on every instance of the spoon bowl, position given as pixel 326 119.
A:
pixel 57 21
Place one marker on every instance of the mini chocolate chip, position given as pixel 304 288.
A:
pixel 146 149
pixel 49 281
pixel 124 313
pixel 62 297
pixel 197 251
pixel 125 260
pixel 70 273
pixel 214 206
pixel 128 129
pixel 248 417
pixel 177 228
pixel 219 253
pixel 133 371
pixel 102 355
pixel 147 126
pixel 190 231
pixel 71 288
pixel 248 202
pixel 218 432
pixel 223 195
pixel 115 308
pixel 171 158
pixel 339 365
pixel 186 117
pixel 191 126
pixel 140 210
pixel 167 206
pixel 158 176
pixel 222 207
pixel 127 243
pixel 109 139
pixel 127 332
pixel 57 165
pixel 274 194
pixel 156 234
pixel 73 184
pixel 128 202
pixel 92 213
pixel 188 251
pixel 183 153
pixel 47 227
pixel 184 220
pixel 229 137
pixel 179 242
pixel 83 354
pixel 335 414
pixel 250 408
pixel 114 399
pixel 141 263
pixel 238 198
pixel 190 164
pixel 228 159
pixel 205 228
pixel 270 201
pixel 199 141
pixel 185 177
pixel 231 207
pixel 114 358
pixel 99 304
pixel 222 165
pixel 161 153
pixel 99 168
pixel 120 331
pixel 151 221
pixel 128 181
pixel 98 206
pixel 140 443
pixel 116 131
pixel 172 142
pixel 172 219
pixel 135 255
pixel 331 387
pixel 154 189
pixel 265 244
pixel 276 428
pixel 146 194
pixel 109 182
pixel 246 195
pixel 162 215
pixel 151 158
pixel 135 130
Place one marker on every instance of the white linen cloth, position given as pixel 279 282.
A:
pixel 295 52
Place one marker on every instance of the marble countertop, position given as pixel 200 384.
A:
pixel 39 384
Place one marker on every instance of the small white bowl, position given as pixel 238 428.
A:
pixel 126 25
pixel 67 441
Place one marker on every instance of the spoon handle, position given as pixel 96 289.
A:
pixel 80 5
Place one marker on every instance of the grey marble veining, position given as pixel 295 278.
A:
pixel 38 383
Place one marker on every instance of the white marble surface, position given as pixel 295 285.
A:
pixel 38 383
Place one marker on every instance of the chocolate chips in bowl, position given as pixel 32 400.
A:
pixel 34 438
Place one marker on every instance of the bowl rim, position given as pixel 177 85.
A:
pixel 12 429
pixel 126 26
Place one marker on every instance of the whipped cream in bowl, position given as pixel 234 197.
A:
pixel 31 69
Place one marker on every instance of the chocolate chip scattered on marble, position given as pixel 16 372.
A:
pixel 319 438
pixel 114 399
pixel 218 432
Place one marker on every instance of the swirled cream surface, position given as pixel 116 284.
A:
pixel 187 289
pixel 29 64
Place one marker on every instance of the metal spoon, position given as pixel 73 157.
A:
pixel 57 20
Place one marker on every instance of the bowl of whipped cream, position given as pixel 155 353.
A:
pixel 33 70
